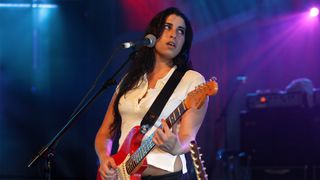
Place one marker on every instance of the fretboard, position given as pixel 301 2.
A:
pixel 148 144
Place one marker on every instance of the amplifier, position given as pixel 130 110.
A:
pixel 282 173
pixel 276 100
pixel 281 136
pixel 316 96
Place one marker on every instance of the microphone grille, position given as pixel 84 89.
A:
pixel 152 39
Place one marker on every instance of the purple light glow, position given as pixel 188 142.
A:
pixel 314 12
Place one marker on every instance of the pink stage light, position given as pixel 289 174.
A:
pixel 314 12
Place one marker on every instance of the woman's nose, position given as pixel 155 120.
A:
pixel 173 34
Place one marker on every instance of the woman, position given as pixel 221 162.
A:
pixel 150 70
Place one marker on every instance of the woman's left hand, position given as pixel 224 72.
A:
pixel 166 140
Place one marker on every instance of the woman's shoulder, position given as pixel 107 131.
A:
pixel 192 79
pixel 194 75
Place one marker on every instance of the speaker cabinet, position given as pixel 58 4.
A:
pixel 281 173
pixel 281 136
pixel 316 96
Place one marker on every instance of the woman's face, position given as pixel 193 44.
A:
pixel 172 39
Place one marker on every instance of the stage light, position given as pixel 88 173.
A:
pixel 28 5
pixel 14 5
pixel 314 11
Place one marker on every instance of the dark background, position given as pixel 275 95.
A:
pixel 49 57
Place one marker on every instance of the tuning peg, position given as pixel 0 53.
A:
pixel 213 78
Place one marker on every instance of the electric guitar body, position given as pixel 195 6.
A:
pixel 129 146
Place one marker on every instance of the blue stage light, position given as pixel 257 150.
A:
pixel 28 5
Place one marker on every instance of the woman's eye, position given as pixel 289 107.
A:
pixel 181 31
pixel 166 26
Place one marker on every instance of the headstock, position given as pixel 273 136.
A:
pixel 197 161
pixel 197 97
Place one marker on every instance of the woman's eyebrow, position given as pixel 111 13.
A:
pixel 181 27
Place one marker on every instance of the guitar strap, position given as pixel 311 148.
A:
pixel 157 106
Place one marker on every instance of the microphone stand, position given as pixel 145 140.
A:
pixel 48 151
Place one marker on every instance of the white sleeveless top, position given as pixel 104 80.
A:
pixel 132 111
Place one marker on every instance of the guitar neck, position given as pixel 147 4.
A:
pixel 148 144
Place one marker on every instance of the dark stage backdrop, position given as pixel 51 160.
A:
pixel 50 57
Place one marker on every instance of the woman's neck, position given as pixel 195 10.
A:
pixel 160 70
pixel 162 63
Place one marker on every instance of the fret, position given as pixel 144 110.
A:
pixel 134 163
pixel 168 121
pixel 133 159
pixel 174 116
pixel 141 156
pixel 145 147
pixel 131 166
pixel 183 107
pixel 171 120
pixel 177 115
pixel 128 165
pixel 179 112
pixel 140 152
pixel 149 142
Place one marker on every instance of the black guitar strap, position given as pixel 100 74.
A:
pixel 157 106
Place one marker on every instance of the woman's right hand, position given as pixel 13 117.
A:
pixel 108 168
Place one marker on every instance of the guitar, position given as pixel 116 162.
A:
pixel 130 159
pixel 197 162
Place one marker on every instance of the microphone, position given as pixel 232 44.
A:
pixel 149 41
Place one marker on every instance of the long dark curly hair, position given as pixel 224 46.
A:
pixel 143 60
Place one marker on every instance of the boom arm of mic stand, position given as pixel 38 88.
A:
pixel 48 150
